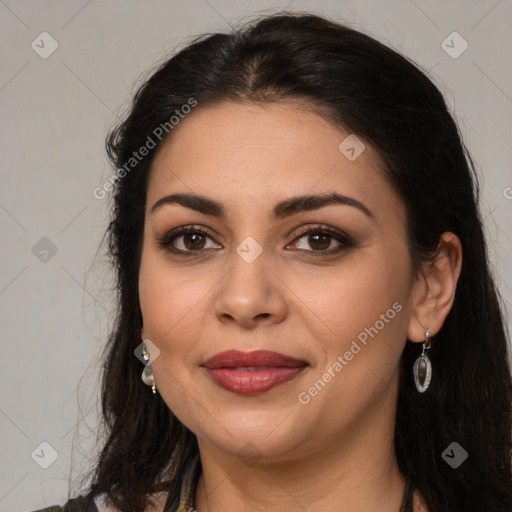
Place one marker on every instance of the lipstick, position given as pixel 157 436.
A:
pixel 250 373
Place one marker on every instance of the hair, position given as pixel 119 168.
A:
pixel 368 89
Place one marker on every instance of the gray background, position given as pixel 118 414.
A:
pixel 55 112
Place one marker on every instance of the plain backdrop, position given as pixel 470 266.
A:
pixel 55 112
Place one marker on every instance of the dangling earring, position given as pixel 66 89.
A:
pixel 423 367
pixel 147 373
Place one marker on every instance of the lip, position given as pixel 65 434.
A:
pixel 249 373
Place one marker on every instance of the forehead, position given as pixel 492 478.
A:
pixel 253 130
pixel 240 151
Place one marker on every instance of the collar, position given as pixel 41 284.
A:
pixel 183 500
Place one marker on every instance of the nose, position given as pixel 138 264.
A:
pixel 251 294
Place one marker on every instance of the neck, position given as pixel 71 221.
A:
pixel 358 474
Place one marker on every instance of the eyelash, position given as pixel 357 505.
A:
pixel 342 238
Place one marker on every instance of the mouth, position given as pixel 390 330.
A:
pixel 250 373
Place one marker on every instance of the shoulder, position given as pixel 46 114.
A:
pixel 79 504
pixel 419 502
pixel 53 508
pixel 97 504
pixel 159 498
pixel 181 499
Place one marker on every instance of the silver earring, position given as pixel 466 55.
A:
pixel 423 367
pixel 147 373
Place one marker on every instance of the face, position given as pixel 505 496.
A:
pixel 322 287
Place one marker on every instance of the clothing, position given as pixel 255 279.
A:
pixel 183 498
pixel 181 501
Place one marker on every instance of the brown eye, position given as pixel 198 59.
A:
pixel 188 241
pixel 193 241
pixel 319 239
pixel 320 242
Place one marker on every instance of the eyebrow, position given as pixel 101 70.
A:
pixel 281 210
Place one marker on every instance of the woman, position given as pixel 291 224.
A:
pixel 302 270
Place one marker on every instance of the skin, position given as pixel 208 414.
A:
pixel 337 448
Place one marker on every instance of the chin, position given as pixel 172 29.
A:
pixel 252 446
pixel 270 435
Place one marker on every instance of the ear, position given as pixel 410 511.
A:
pixel 434 290
pixel 143 333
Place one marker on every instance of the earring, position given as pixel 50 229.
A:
pixel 147 373
pixel 423 367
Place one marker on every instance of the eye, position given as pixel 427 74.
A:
pixel 188 240
pixel 320 239
pixel 191 240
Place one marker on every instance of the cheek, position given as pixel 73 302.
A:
pixel 366 310
pixel 173 318
pixel 355 297
pixel 172 304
